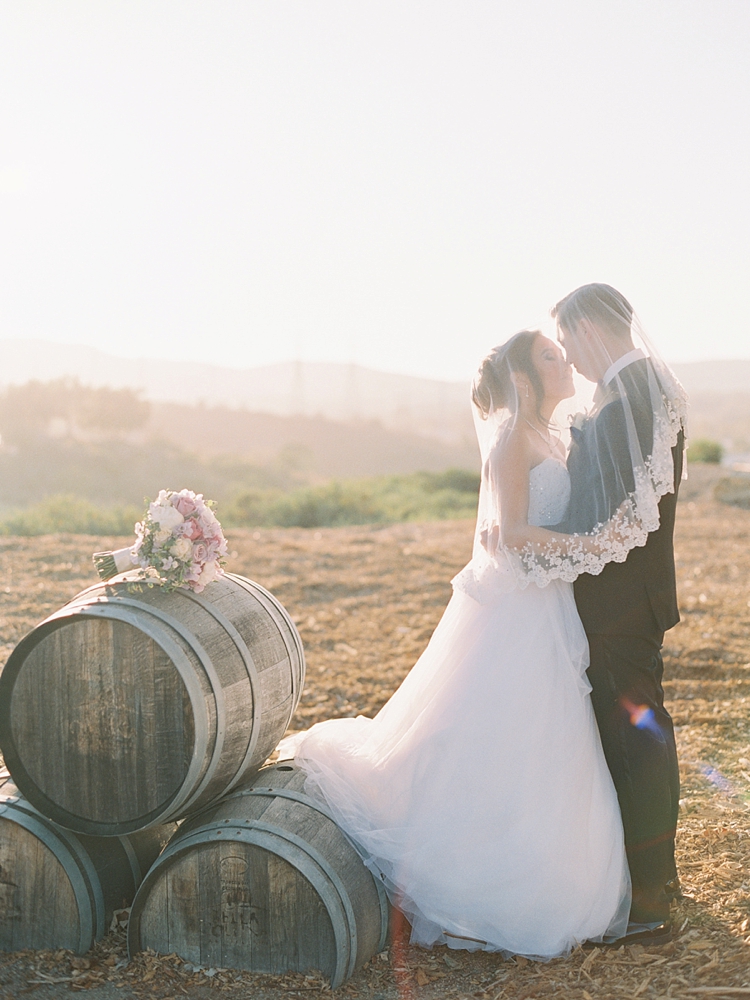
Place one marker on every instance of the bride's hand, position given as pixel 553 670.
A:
pixel 611 535
pixel 490 539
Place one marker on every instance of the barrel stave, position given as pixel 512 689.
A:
pixel 29 873
pixel 272 652
pixel 229 697
pixel 121 863
pixel 315 828
pixel 76 757
pixel 131 708
pixel 262 880
pixel 59 890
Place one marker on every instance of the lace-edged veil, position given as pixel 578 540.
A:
pixel 620 446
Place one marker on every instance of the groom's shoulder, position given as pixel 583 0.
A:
pixel 611 420
pixel 633 387
pixel 637 375
pixel 611 408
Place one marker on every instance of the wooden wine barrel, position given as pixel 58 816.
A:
pixel 57 889
pixel 130 708
pixel 262 880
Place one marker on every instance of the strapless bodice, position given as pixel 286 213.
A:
pixel 549 492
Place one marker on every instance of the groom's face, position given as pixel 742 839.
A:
pixel 579 351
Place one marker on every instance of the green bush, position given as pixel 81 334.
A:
pixel 704 450
pixel 423 496
pixel 70 515
pixel 333 504
pixel 252 507
pixel 460 480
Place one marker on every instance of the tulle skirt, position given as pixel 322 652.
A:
pixel 479 794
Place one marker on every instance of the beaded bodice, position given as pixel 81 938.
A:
pixel 549 492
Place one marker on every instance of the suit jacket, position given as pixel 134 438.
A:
pixel 638 596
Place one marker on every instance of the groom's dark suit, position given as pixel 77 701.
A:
pixel 625 611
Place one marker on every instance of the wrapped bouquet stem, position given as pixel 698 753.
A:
pixel 109 564
pixel 179 543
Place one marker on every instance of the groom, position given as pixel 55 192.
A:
pixel 627 608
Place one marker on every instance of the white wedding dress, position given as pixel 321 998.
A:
pixel 479 793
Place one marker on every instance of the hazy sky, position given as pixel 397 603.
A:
pixel 401 184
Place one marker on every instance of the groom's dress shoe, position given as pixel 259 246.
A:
pixel 648 935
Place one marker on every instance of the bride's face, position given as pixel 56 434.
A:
pixel 554 371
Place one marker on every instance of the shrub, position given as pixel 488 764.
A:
pixel 70 515
pixel 333 504
pixel 704 450
pixel 252 507
pixel 422 496
pixel 460 480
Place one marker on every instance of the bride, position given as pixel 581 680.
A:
pixel 479 793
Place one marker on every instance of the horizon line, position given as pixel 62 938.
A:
pixel 298 360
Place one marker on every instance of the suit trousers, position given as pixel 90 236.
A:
pixel 638 740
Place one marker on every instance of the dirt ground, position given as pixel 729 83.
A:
pixel 366 601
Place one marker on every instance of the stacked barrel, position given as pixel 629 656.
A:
pixel 133 707
pixel 59 889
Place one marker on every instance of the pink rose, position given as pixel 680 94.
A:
pixel 192 529
pixel 200 552
pixel 185 505
pixel 217 546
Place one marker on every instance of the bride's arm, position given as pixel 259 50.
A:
pixel 508 470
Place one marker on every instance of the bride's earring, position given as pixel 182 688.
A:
pixel 527 390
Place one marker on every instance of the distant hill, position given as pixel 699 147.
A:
pixel 312 447
pixel 338 392
pixel 721 377
pixel 107 447
pixel 346 394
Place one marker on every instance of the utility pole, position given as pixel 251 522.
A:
pixel 297 391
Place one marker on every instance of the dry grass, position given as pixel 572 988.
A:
pixel 366 600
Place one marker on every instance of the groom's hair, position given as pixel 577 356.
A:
pixel 602 304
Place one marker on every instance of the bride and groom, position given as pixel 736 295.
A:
pixel 519 790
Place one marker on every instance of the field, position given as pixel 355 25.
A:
pixel 366 600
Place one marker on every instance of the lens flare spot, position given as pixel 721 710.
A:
pixel 641 716
pixel 718 780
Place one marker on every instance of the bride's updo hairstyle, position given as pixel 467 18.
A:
pixel 493 387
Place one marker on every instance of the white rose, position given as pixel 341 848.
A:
pixel 161 536
pixel 182 549
pixel 166 517
pixel 578 420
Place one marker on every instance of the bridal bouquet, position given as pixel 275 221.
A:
pixel 179 543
